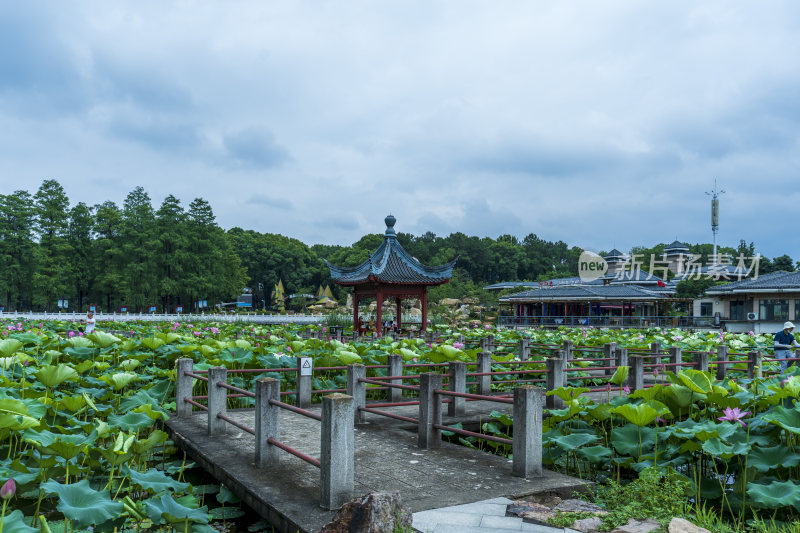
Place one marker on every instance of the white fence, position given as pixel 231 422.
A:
pixel 165 317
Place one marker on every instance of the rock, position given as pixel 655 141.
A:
pixel 587 525
pixel 470 301
pixel 415 312
pixel 579 506
pixel 531 512
pixel 376 512
pixel 679 525
pixel 638 526
pixel 450 302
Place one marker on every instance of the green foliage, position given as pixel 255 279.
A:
pixel 657 493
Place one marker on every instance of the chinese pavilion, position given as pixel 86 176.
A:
pixel 390 272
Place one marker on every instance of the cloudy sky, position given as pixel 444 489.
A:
pixel 601 123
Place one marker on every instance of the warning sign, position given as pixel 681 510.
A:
pixel 306 366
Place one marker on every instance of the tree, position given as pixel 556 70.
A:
pixel 53 272
pixel 173 259
pixel 783 262
pixel 79 237
pixel 17 249
pixel 107 253
pixel 139 284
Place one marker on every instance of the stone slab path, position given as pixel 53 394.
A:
pixel 479 517
pixel 386 459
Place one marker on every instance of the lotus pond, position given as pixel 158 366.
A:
pixel 80 419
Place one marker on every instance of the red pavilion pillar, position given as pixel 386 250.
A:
pixel 399 315
pixel 424 310
pixel 378 312
pixel 356 331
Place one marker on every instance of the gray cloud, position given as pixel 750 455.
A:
pixel 268 201
pixel 601 125
pixel 255 147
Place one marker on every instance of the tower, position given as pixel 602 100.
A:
pixel 715 215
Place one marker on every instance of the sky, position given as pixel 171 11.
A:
pixel 599 123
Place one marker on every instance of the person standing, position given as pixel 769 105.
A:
pixel 90 321
pixel 784 341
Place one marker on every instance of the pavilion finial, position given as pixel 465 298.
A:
pixel 390 220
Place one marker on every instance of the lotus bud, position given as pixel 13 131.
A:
pixel 8 489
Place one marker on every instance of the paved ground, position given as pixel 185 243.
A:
pixel 386 459
pixel 478 517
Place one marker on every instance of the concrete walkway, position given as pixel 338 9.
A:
pixel 386 459
pixel 479 517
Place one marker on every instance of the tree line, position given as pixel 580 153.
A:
pixel 137 256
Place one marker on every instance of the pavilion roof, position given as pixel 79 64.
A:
pixel 391 264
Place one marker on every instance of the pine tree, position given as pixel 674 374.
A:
pixel 17 249
pixel 172 257
pixel 52 276
pixel 79 237
pixel 107 254
pixel 139 284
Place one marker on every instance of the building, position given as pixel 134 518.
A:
pixel 622 297
pixel 759 304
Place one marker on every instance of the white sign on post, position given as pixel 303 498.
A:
pixel 306 366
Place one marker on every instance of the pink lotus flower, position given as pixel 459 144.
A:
pixel 8 489
pixel 734 415
pixel 71 334
pixel 626 390
pixel 458 345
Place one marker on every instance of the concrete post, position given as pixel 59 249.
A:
pixel 484 344
pixel 395 369
pixel 430 411
pixel 358 390
pixel 722 368
pixel 457 383
pixel 525 348
pixel 303 388
pixel 556 367
pixel 675 357
pixel 337 449
pixel 460 339
pixel 622 356
pixel 655 349
pixel 492 345
pixel 609 350
pixel 268 421
pixel 636 373
pixel 411 334
pixel 754 364
pixel 568 350
pixel 217 400
pixel 484 366
pixel 701 361
pixel 527 446
pixel 183 387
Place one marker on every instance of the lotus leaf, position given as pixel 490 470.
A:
pixel 764 458
pixel 15 522
pixel 155 481
pixel 130 421
pixel 86 506
pixel 52 376
pixel 696 380
pixel 641 415
pixel 120 380
pixel 775 495
pixel 620 375
pixel 235 355
pixel 574 440
pixel 152 342
pixel 717 448
pixel 348 358
pixel 129 364
pixel 567 393
pixel 80 342
pixel 9 346
pixel 167 510
pixel 595 454
pixel 103 339
pixel 788 419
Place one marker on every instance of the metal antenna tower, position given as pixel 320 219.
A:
pixel 715 215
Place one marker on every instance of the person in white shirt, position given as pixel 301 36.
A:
pixel 90 320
